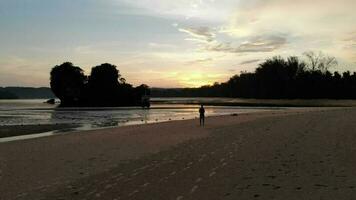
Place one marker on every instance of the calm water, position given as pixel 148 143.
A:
pixel 24 112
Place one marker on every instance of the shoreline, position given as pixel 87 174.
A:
pixel 272 103
pixel 9 133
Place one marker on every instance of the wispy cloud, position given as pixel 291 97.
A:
pixel 249 61
pixel 202 34
pixel 258 44
pixel 207 37
pixel 200 61
pixel 161 45
pixel 351 38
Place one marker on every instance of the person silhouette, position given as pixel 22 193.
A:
pixel 202 115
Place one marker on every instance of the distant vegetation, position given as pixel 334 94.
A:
pixel 7 95
pixel 279 78
pixel 103 87
pixel 25 93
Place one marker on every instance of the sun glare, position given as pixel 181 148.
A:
pixel 195 79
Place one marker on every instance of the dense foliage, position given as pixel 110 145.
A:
pixel 280 78
pixel 103 87
pixel 67 83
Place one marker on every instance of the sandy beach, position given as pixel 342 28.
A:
pixel 284 154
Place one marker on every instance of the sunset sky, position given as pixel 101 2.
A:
pixel 164 43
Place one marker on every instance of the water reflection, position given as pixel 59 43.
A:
pixel 106 117
pixel 91 118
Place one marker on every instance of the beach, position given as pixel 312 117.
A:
pixel 283 154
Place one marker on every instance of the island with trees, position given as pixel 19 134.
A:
pixel 104 87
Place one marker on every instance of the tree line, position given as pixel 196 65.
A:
pixel 25 93
pixel 104 87
pixel 7 95
pixel 280 78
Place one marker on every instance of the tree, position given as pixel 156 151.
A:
pixel 319 61
pixel 103 85
pixel 67 83
pixel 104 74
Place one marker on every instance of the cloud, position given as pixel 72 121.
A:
pixel 257 44
pixel 202 34
pixel 249 61
pixel 210 10
pixel 349 47
pixel 161 45
pixel 200 61
pixel 207 39
pixel 351 39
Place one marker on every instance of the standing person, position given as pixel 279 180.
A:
pixel 202 115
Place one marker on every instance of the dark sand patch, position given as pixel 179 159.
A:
pixel 17 130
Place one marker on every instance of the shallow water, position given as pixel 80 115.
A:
pixel 30 112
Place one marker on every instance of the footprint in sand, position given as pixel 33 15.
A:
pixel 186 168
pixel 108 186
pixel 133 193
pixel 194 188
pixel 271 177
pixel 227 194
pixel 145 185
pixel 276 187
pixel 134 174
pixel 212 174
pixel 198 180
pixel 320 185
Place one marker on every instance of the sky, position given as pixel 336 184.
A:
pixel 164 43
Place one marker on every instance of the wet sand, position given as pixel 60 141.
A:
pixel 18 130
pixel 304 154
